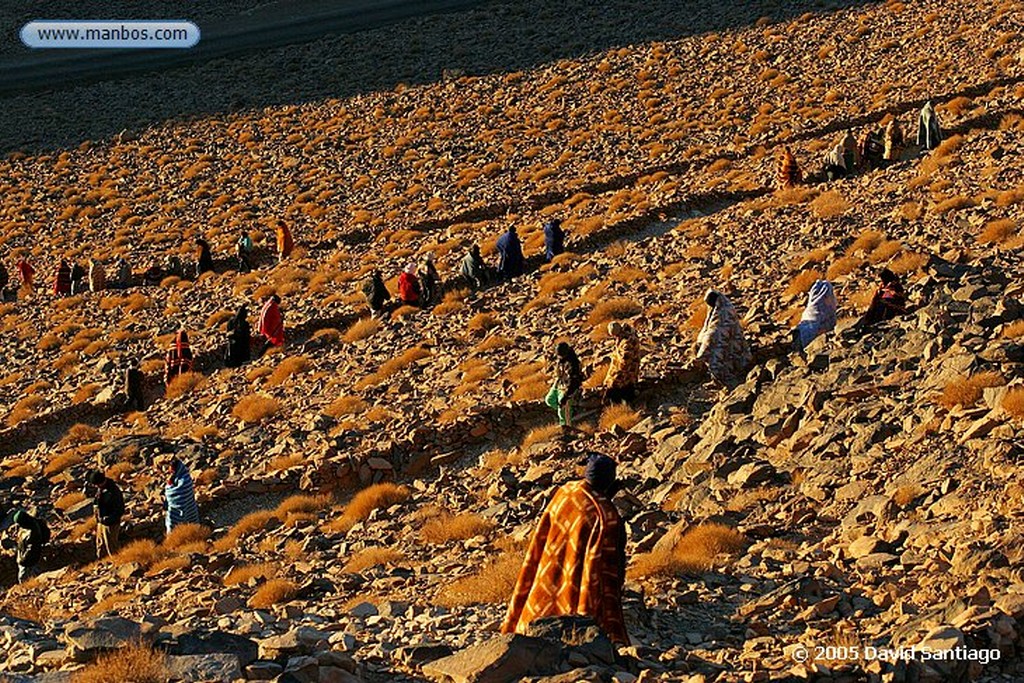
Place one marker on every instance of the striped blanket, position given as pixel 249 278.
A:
pixel 181 498
pixel 575 564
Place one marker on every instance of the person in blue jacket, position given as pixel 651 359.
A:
pixel 180 495
pixel 554 239
pixel 510 250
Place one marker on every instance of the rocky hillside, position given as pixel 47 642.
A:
pixel 367 492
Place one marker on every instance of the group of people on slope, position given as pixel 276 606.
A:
pixel 420 284
pixel 32 534
pixel 71 278
pixel 874 149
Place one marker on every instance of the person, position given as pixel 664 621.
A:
pixel 789 171
pixel 108 505
pixel 851 156
pixel 97 276
pixel 27 274
pixel 567 385
pixel 5 279
pixel 377 294
pixel 153 276
pixel 554 239
pixel 133 386
pixel 33 536
pixel 179 358
pixel 409 286
pixel 122 273
pixel 819 314
pixel 430 281
pixel 835 163
pixel 285 243
pixel 929 132
pixel 173 267
pixel 243 250
pixel 180 496
pixel 271 323
pixel 893 141
pixel 888 302
pixel 576 561
pixel 78 276
pixel 510 251
pixel 871 150
pixel 204 264
pixel 239 339
pixel 62 279
pixel 474 270
pixel 721 345
pixel 624 370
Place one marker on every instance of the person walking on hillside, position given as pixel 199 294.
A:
pixel 893 142
pixel 888 302
pixel 721 345
pixel 409 286
pixel 179 358
pixel 33 535
pixel 567 385
pixel 5 279
pixel 243 252
pixel 122 274
pixel 271 327
pixel 430 281
pixel 624 370
pixel 576 561
pixel 97 276
pixel 789 171
pixel 133 386
pixel 285 242
pixel 554 239
pixel 180 496
pixel 78 275
pixel 108 504
pixel 62 279
pixel 871 150
pixel 510 251
pixel 835 164
pixel 474 270
pixel 27 274
pixel 929 132
pixel 377 294
pixel 239 339
pixel 819 315
pixel 204 263
pixel 851 156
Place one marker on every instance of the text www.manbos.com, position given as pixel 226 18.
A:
pixel 110 34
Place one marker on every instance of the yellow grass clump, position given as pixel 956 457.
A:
pixel 695 552
pixel 273 592
pixel 137 663
pixel 966 391
pixel 613 309
pixel 482 322
pixel 908 262
pixel 372 557
pixel 829 205
pixel 69 500
pixel 346 405
pixel 360 330
pixel 256 408
pixel 143 551
pixel 247 572
pixel 301 504
pixel 1014 330
pixel 366 501
pixel 801 283
pixel 998 231
pixel 541 435
pixel 183 384
pixel 288 368
pixel 1013 402
pixel 391 367
pixel 186 534
pixel 62 462
pixel 618 415
pixel 447 527
pixel 492 584
pixel 865 242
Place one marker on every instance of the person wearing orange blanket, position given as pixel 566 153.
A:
pixel 576 563
pixel 285 243
pixel 271 323
pixel 179 358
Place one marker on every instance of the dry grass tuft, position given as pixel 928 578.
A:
pixel 256 408
pixel 618 415
pixel 136 663
pixel 482 322
pixel 865 242
pixel 801 283
pixel 273 592
pixel 288 368
pixel 908 262
pixel 372 557
pixel 966 391
pixel 360 330
pixel 541 435
pixel 843 266
pixel 1014 330
pixel 613 309
pixel 449 527
pixel 366 501
pixel 186 534
pixel 492 584
pixel 829 205
pixel 62 462
pixel 144 552
pixel 301 504
pixel 183 384
pixel 391 367
pixel 696 552
pixel 998 231
pixel 1013 402
pixel 247 572
pixel 346 405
